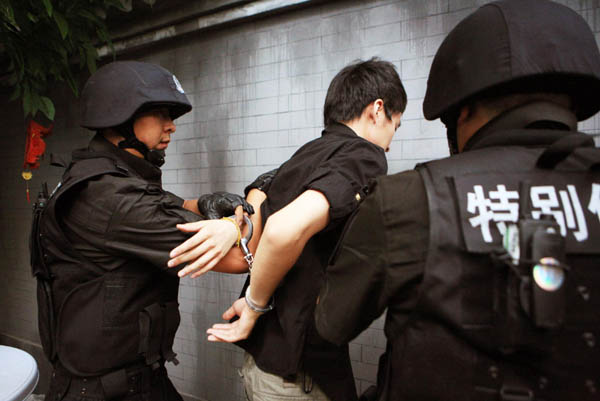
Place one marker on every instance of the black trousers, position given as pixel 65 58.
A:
pixel 131 384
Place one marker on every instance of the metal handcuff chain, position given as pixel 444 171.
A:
pixel 249 258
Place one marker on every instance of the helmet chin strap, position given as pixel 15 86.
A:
pixel 156 157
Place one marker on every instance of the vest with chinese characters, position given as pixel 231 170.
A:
pixel 93 321
pixel 476 332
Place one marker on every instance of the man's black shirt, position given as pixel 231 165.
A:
pixel 339 164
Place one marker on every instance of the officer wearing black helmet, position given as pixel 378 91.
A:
pixel 487 260
pixel 107 302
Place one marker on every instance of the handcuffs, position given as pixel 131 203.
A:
pixel 249 258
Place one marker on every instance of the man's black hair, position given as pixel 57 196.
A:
pixel 359 84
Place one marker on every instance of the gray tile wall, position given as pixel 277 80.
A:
pixel 257 90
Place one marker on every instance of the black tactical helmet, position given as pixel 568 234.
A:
pixel 515 46
pixel 114 93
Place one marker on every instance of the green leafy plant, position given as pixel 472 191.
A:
pixel 47 41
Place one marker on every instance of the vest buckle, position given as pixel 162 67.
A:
pixel 514 393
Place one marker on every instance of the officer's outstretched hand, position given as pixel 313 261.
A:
pixel 206 248
pixel 222 204
pixel 238 330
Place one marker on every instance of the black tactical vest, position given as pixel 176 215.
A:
pixel 93 321
pixel 516 324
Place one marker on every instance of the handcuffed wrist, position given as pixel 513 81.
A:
pixel 237 227
pixel 253 306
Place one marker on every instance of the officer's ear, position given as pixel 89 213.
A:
pixel 464 114
pixel 471 118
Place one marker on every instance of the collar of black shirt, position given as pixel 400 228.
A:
pixel 339 129
pixel 142 167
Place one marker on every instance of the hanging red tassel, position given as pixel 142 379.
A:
pixel 27 176
pixel 34 150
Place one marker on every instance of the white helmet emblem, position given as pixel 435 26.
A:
pixel 177 84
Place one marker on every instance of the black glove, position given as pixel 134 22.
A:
pixel 221 204
pixel 262 182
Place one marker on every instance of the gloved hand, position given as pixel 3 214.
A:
pixel 262 182
pixel 222 204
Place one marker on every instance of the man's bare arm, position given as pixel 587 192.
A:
pixel 285 235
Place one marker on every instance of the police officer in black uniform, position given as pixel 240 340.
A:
pixel 108 308
pixel 487 260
